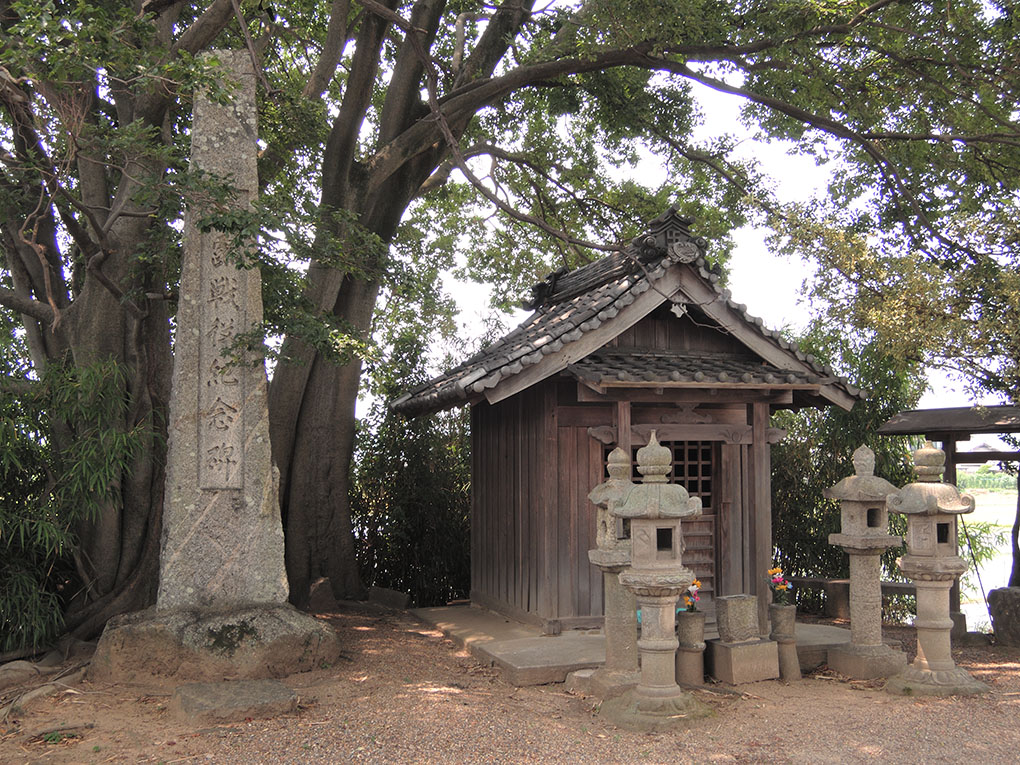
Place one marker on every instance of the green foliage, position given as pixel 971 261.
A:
pixel 817 452
pixel 986 480
pixel 410 503
pixel 44 492
pixel 980 542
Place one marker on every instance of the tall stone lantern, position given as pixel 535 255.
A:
pixel 932 562
pixel 864 535
pixel 612 556
pixel 657 576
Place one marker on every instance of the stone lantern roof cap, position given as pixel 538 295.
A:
pixel 928 495
pixel 864 486
pixel 930 499
pixel 655 497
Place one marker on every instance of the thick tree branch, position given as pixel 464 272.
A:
pixel 332 50
pixel 205 28
pixel 886 166
pixel 339 153
pixel 29 306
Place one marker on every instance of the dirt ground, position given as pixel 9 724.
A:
pixel 403 693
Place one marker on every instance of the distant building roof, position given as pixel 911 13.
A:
pixel 962 420
pixel 579 312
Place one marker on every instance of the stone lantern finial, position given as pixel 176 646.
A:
pixel 929 463
pixel 864 461
pixel 618 464
pixel 654 461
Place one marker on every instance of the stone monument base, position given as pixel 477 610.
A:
pixel 864 662
pixel 246 642
pixel 610 684
pixel 737 663
pixel 632 711
pixel 927 682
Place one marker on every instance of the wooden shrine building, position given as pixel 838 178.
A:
pixel 644 338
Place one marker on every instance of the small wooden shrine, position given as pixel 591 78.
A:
pixel 643 338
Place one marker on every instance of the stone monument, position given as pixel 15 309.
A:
pixel 740 654
pixel 222 609
pixel 864 535
pixel 932 563
pixel 657 577
pixel 612 556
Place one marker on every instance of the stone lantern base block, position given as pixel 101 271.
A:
pixel 737 663
pixel 246 642
pixel 865 662
pixel 926 682
pixel 610 684
pixel 632 711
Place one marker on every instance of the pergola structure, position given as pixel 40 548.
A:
pixel 954 424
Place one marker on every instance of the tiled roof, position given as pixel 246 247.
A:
pixel 610 366
pixel 570 305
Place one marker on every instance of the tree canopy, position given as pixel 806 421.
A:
pixel 372 113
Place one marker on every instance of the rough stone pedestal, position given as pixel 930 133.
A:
pixel 221 610
pixel 620 672
pixel 209 644
pixel 1004 607
pixel 866 656
pixel 739 655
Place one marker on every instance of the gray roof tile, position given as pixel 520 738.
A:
pixel 567 305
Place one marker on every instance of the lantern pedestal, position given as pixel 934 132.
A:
pixel 657 703
pixel 620 672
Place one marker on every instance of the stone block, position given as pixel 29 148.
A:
pixel 742 662
pixel 737 618
pixel 1004 606
pixel 837 598
pixel 388 598
pixel 231 701
pixel 867 662
pixel 212 644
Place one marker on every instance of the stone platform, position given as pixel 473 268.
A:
pixel 529 658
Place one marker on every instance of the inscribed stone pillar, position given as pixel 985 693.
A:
pixel 221 610
pixel 222 533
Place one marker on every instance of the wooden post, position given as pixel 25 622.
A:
pixel 623 435
pixel 949 476
pixel 761 492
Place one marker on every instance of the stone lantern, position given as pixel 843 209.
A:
pixel 932 562
pixel 657 576
pixel 612 555
pixel 864 535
